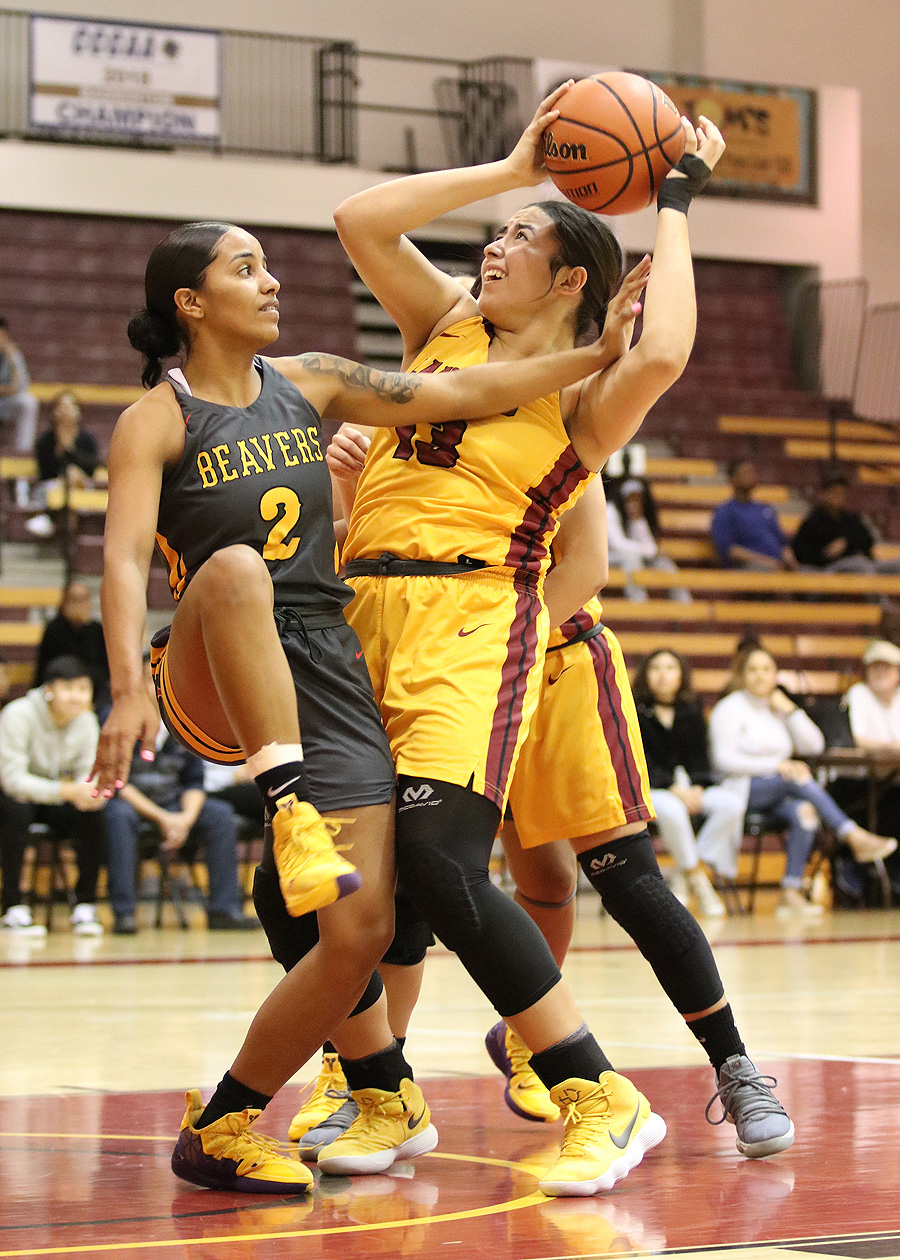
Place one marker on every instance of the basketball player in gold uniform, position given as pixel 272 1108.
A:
pixel 448 545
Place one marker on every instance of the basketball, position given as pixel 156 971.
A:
pixel 617 137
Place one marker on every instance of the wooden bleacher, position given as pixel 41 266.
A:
pixel 798 427
pixel 847 452
pixel 689 493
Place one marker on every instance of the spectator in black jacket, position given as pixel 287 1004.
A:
pixel 165 796
pixel 64 452
pixel 75 632
pixel 833 538
pixel 673 730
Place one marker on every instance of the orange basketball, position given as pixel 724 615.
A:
pixel 616 139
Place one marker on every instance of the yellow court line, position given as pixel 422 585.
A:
pixel 511 1205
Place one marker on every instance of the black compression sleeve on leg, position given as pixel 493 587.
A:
pixel 444 839
pixel 626 875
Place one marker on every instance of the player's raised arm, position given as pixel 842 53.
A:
pixel 613 403
pixel 372 226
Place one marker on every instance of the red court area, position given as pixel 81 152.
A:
pixel 90 1174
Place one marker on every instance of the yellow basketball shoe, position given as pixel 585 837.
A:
pixel 389 1126
pixel 311 871
pixel 609 1128
pixel 228 1155
pixel 525 1093
pixel 329 1091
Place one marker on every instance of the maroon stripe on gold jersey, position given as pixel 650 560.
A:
pixel 521 652
pixel 576 625
pixel 615 727
pixel 528 546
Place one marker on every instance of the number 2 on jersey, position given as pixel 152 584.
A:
pixel 283 501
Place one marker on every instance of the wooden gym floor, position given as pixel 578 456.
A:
pixel 100 1039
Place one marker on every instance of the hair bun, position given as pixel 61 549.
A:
pixel 156 337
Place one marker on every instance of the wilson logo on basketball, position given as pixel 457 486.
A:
pixel 577 152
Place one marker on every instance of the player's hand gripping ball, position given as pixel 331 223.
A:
pixel 617 137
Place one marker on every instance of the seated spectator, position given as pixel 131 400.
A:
pixel 64 452
pixel 755 735
pixel 75 632
pixel 632 529
pixel 166 796
pixel 834 539
pixel 48 742
pixel 873 708
pixel 746 533
pixel 18 406
pixel 673 730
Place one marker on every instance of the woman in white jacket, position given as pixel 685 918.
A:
pixel 757 734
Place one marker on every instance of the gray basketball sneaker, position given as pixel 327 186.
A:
pixel 763 1126
pixel 327 1132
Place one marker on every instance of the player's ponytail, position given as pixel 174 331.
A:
pixel 584 240
pixel 178 262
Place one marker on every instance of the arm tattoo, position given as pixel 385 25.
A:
pixel 395 387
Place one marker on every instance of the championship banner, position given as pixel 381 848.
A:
pixel 770 133
pixel 118 79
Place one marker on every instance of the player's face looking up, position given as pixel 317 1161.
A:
pixel 517 274
pixel 236 301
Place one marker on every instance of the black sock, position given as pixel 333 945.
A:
pixel 230 1096
pixel 718 1035
pixel 290 776
pixel 383 1070
pixel 576 1055
pixel 401 1041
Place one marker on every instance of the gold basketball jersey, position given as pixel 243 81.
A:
pixel 492 489
pixel 585 619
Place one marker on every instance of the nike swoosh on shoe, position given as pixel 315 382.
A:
pixel 621 1140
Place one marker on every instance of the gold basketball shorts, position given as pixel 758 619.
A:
pixel 581 768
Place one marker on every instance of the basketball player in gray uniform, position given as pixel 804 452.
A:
pixel 224 468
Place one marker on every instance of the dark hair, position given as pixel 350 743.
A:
pixel 648 503
pixel 734 464
pixel 641 687
pixel 583 240
pixel 3 323
pixel 178 262
pixel 834 477
pixel 66 669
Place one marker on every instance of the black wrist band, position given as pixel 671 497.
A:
pixel 674 194
pixel 677 193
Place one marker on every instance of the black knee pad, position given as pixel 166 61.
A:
pixel 444 840
pixel 291 939
pixel 412 935
pixel 626 874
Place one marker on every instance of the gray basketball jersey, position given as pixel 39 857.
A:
pixel 255 475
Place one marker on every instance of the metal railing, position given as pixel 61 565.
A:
pixel 298 97
pixel 827 334
pixel 877 392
